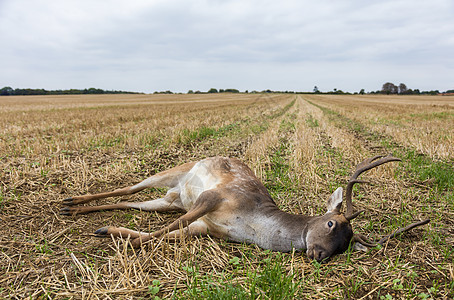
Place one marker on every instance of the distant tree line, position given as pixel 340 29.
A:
pixel 210 91
pixel 388 89
pixel 8 91
pixel 213 90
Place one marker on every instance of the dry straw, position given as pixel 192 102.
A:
pixel 55 147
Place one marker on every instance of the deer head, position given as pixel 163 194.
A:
pixel 331 233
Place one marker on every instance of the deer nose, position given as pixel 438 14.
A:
pixel 317 254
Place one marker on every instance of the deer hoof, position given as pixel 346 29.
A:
pixel 66 211
pixel 69 211
pixel 68 201
pixel 102 231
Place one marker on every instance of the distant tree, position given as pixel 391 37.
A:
pixel 403 89
pixel 93 91
pixel 6 91
pixel 163 92
pixel 336 91
pixel 362 92
pixel 213 90
pixel 316 90
pixel 231 91
pixel 190 92
pixel 389 88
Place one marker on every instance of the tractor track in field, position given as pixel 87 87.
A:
pixel 368 138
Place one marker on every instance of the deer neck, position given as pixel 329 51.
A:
pixel 283 231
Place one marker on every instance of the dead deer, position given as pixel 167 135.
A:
pixel 223 198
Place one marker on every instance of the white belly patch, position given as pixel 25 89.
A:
pixel 198 180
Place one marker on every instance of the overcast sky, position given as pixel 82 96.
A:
pixel 147 45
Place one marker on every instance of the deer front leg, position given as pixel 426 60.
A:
pixel 194 229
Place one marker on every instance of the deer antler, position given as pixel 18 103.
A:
pixel 402 229
pixel 364 241
pixel 365 165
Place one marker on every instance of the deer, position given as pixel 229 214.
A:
pixel 223 198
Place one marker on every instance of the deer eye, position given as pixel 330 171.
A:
pixel 330 224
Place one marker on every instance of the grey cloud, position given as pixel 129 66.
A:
pixel 174 43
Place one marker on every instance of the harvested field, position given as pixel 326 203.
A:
pixel 302 147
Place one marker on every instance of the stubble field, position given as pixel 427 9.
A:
pixel 301 146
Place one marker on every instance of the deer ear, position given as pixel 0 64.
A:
pixel 335 201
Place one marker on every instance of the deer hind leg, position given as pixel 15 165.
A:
pixel 169 178
pixel 170 202
pixel 207 202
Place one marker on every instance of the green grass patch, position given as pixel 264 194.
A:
pixel 444 115
pixel 279 178
pixel 438 173
pixel 267 280
pixel 311 121
pixel 187 136
pixel 105 142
